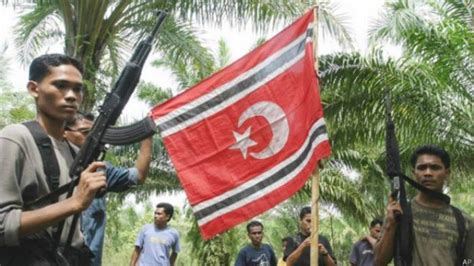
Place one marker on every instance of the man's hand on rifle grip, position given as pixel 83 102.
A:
pixel 91 181
pixel 394 212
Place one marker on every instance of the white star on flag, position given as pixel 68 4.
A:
pixel 243 142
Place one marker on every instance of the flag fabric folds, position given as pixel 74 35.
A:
pixel 249 136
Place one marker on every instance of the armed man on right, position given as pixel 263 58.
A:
pixel 441 234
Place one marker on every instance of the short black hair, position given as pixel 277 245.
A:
pixel 169 210
pixel 78 117
pixel 304 211
pixel 375 222
pixel 88 116
pixel 286 239
pixel 431 150
pixel 252 224
pixel 40 66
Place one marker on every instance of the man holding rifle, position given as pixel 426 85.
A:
pixel 441 234
pixel 55 82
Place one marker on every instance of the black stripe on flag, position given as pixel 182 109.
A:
pixel 239 87
pixel 264 183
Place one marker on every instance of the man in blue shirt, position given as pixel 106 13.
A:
pixel 118 180
pixel 157 244
pixel 256 253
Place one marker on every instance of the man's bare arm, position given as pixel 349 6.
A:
pixel 328 260
pixel 296 254
pixel 173 257
pixel 383 250
pixel 144 158
pixel 135 256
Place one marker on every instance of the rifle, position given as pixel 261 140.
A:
pixel 403 245
pixel 403 235
pixel 109 112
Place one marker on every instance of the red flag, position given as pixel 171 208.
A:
pixel 250 135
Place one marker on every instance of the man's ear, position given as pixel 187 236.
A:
pixel 448 177
pixel 33 88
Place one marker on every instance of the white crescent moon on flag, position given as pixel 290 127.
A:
pixel 276 117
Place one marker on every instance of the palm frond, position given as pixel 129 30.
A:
pixel 40 26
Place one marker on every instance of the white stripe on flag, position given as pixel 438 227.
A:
pixel 268 189
pixel 204 98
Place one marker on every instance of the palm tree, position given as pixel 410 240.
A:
pixel 100 33
pixel 430 85
pixel 101 42
pixel 443 41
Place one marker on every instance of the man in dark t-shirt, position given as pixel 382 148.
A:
pixel 436 230
pixel 298 248
pixel 362 253
pixel 256 253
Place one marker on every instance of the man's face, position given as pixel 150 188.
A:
pixel 305 224
pixel 375 231
pixel 161 218
pixel 59 94
pixel 430 172
pixel 256 235
pixel 77 134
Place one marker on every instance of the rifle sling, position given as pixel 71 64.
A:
pixel 460 221
pixel 48 156
pixel 432 193
pixel 50 164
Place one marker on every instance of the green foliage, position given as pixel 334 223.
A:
pixel 15 106
pixel 220 250
pixel 123 226
pixel 342 232
pixel 101 33
pixel 152 94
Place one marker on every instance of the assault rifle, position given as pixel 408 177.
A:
pixel 402 252
pixel 403 243
pixel 109 112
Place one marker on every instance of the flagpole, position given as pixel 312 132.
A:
pixel 315 176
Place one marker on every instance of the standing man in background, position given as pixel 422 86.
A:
pixel 157 244
pixel 284 242
pixel 256 253
pixel 362 253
